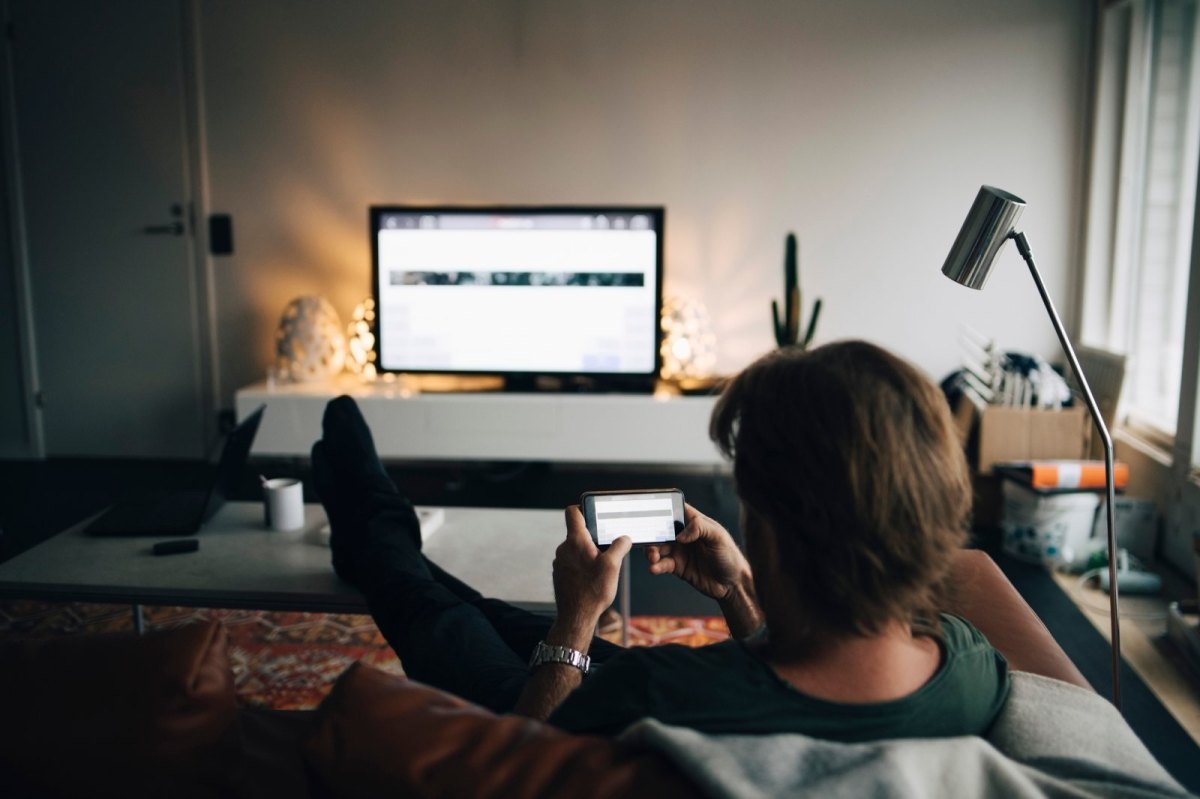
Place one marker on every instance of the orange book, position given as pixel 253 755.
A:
pixel 1065 475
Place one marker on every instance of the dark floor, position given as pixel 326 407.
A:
pixel 38 499
pixel 1090 652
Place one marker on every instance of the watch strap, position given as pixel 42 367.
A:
pixel 565 655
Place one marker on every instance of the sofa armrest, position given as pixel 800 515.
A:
pixel 379 735
pixel 116 715
pixel 982 595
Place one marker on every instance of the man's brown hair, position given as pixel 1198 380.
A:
pixel 848 454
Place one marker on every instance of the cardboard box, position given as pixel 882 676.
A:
pixel 1000 433
pixel 1023 434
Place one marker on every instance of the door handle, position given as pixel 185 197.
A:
pixel 173 229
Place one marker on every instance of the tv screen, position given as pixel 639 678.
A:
pixel 518 291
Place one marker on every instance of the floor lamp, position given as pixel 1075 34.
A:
pixel 990 223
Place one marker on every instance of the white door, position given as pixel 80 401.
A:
pixel 103 150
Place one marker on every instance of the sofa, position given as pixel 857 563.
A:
pixel 157 716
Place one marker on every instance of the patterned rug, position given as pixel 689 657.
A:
pixel 289 661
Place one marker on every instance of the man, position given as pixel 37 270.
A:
pixel 854 496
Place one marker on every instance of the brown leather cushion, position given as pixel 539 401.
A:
pixel 117 716
pixel 983 596
pixel 381 735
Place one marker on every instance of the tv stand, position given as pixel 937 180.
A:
pixel 494 426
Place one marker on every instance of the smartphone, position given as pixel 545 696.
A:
pixel 652 516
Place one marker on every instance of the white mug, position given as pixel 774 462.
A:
pixel 284 503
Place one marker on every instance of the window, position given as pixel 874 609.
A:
pixel 1141 206
pixel 1141 288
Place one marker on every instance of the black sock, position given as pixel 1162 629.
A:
pixel 371 509
pixel 347 522
pixel 351 448
pixel 391 549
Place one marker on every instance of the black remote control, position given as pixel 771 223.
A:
pixel 177 546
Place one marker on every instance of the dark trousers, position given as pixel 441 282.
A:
pixel 448 635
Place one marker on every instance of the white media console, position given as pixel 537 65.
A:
pixel 566 428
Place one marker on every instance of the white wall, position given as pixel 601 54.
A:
pixel 865 126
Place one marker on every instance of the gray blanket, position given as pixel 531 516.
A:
pixel 1051 739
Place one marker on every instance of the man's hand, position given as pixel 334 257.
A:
pixel 585 582
pixel 705 556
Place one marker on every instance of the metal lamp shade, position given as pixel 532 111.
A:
pixel 992 217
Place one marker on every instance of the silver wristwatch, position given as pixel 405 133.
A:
pixel 548 653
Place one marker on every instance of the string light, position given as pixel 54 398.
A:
pixel 689 346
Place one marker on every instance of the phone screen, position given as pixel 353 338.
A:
pixel 647 517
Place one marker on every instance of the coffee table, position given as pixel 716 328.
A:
pixel 503 553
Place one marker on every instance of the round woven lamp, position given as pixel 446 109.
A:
pixel 309 342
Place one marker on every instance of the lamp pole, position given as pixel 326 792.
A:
pixel 991 222
pixel 1106 440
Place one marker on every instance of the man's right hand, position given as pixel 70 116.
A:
pixel 703 554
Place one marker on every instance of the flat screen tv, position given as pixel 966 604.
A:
pixel 521 292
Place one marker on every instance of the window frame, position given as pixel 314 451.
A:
pixel 1107 196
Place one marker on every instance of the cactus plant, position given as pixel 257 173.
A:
pixel 787 329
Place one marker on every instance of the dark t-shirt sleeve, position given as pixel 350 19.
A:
pixel 976 682
pixel 609 699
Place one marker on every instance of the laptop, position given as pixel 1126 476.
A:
pixel 184 512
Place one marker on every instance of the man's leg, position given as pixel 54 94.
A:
pixel 376 540
pixel 520 629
